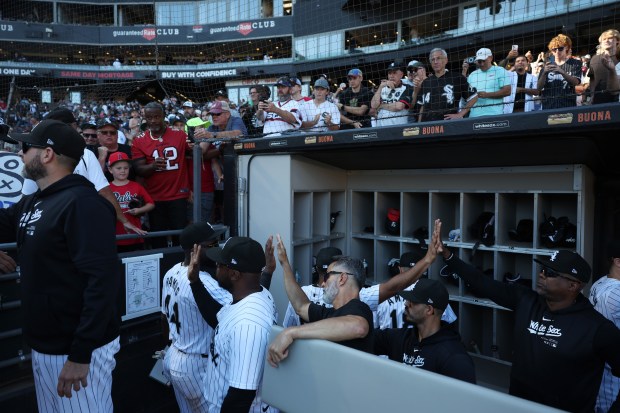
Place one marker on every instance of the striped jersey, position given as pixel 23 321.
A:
pixel 188 330
pixel 275 124
pixel 605 297
pixel 239 348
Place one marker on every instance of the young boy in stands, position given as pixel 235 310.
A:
pixel 131 196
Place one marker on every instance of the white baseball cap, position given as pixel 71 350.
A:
pixel 483 54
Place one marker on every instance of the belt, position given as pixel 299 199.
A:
pixel 204 356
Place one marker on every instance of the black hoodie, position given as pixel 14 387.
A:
pixel 441 353
pixel 69 272
pixel 558 355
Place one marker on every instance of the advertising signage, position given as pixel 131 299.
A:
pixel 144 35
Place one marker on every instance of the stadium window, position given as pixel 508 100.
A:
pixel 176 14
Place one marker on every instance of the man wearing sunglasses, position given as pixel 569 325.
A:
pixel 561 343
pixel 392 100
pixel 69 274
pixel 349 322
pixel 560 75
pixel 107 135
pixel 89 132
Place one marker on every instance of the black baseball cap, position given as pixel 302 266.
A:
pixel 409 259
pixel 107 122
pixel 62 114
pixel 88 125
pixel 326 256
pixel 240 253
pixel 221 92
pixel 395 66
pixel 198 232
pixel 567 262
pixel 284 81
pixel 59 136
pixel 427 291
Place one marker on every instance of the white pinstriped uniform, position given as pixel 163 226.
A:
pixel 239 348
pixel 391 312
pixel 185 363
pixel 95 397
pixel 605 296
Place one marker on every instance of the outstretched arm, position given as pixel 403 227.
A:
pixel 401 281
pixel 207 305
pixel 348 327
pixel 296 295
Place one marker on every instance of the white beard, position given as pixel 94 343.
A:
pixel 330 293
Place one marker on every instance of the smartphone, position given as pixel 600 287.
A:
pixel 515 47
pixel 551 59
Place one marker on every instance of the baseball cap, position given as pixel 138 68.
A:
pixel 193 122
pixel 394 66
pixel 613 249
pixel 567 262
pixel 177 118
pixel 239 253
pixel 221 92
pixel 326 256
pixel 219 107
pixel 284 81
pixel 427 291
pixel 107 122
pixel 198 232
pixel 61 114
pixel 295 81
pixel 320 82
pixel 414 63
pixel 117 157
pixel 355 72
pixel 188 104
pixel 483 53
pixel 88 125
pixel 588 56
pixel 409 259
pixel 59 136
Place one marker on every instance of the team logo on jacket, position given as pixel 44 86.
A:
pixel 547 333
pixel 413 360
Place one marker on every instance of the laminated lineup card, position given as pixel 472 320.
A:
pixel 142 292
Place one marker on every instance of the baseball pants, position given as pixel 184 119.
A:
pixel 95 397
pixel 186 373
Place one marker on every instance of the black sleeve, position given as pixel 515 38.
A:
pixel 265 279
pixel 207 305
pixel 238 400
pixel 503 294
pixel 381 343
pixel 318 312
pixel 461 367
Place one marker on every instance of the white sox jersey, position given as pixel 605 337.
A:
pixel 275 124
pixel 239 348
pixel 188 330
pixel 368 295
pixel 605 297
pixel 391 313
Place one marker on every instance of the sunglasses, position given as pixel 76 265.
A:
pixel 108 132
pixel 412 69
pixel 90 135
pixel 549 273
pixel 26 147
pixel 330 273
pixel 558 49
pixel 215 114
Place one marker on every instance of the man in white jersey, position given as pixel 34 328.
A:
pixel 239 345
pixel 185 363
pixel 318 114
pixel 392 99
pixel 281 115
pixel 605 297
pixel 372 296
pixel 391 312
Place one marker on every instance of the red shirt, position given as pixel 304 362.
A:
pixel 123 195
pixel 173 182
pixel 207 183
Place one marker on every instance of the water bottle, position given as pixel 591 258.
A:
pixel 297 277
